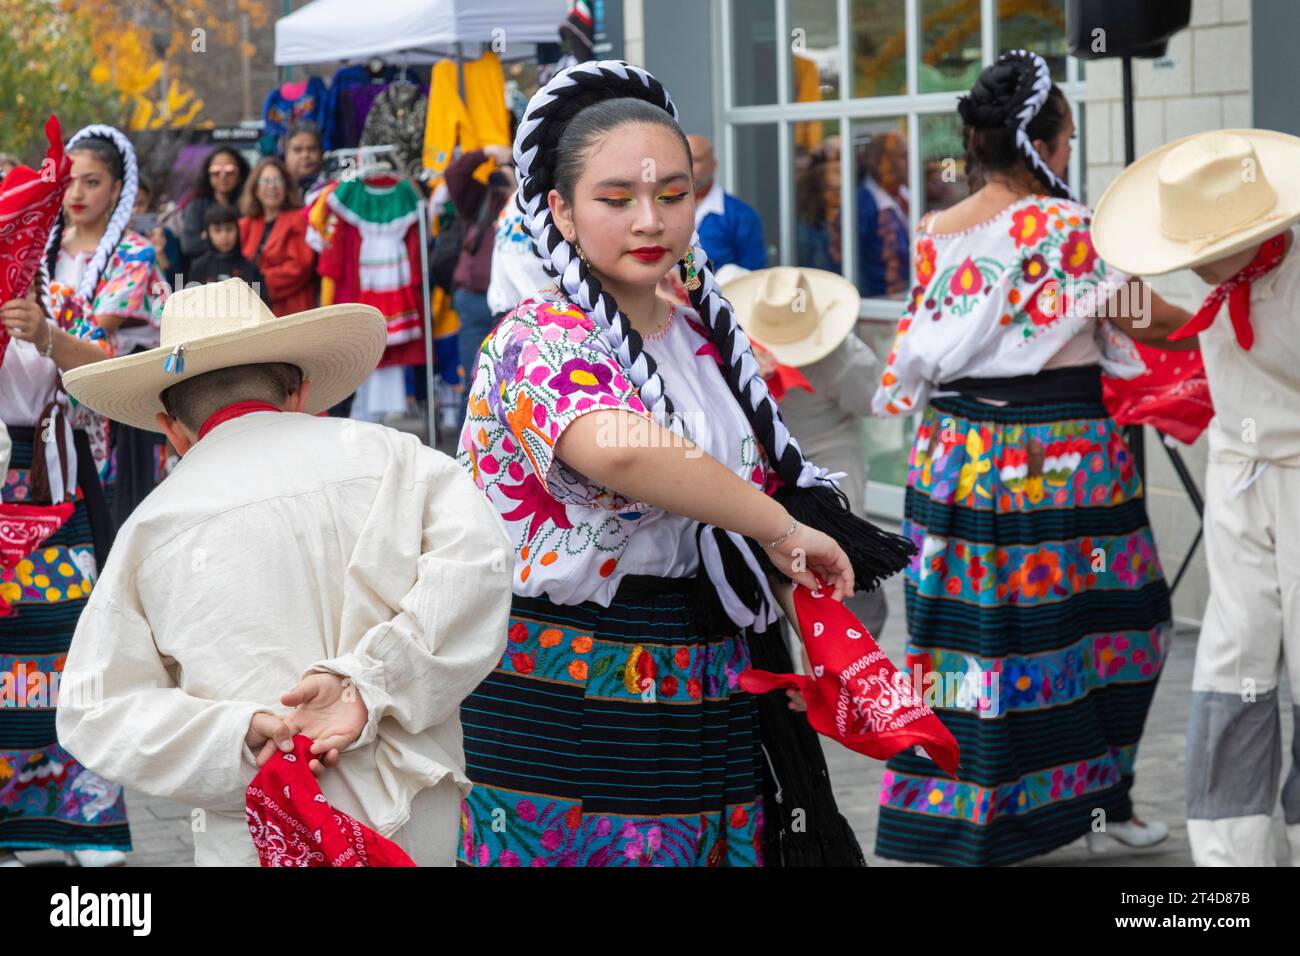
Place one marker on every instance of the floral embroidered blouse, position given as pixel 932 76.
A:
pixel 132 286
pixel 1000 300
pixel 543 367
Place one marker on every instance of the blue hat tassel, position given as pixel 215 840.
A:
pixel 174 364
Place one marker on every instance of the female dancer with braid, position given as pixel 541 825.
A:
pixel 97 275
pixel 613 731
pixel 1037 581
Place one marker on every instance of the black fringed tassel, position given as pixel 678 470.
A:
pixel 802 824
pixel 875 554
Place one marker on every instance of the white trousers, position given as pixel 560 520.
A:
pixel 1251 629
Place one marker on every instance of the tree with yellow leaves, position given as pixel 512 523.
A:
pixel 46 61
pixel 144 48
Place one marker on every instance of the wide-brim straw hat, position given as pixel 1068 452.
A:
pixel 223 324
pixel 1200 198
pixel 799 315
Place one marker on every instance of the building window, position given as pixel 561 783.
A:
pixel 839 125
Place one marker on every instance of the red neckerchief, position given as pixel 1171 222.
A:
pixel 293 825
pixel 783 377
pixel 854 694
pixel 234 410
pixel 1237 291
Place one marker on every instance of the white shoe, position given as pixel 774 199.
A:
pixel 9 858
pixel 95 858
pixel 1130 834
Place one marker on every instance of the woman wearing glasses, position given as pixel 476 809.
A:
pixel 221 179
pixel 274 237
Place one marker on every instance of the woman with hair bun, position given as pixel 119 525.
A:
pixel 1036 604
pixel 627 444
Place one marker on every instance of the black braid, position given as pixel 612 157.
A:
pixel 723 334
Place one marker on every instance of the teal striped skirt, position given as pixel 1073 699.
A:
pixel 47 799
pixel 613 737
pixel 1037 617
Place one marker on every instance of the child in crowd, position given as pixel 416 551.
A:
pixel 224 260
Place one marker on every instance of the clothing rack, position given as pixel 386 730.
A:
pixel 363 154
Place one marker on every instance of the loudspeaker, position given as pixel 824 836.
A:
pixel 1136 28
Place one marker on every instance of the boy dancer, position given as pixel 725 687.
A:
pixel 294 574
pixel 1222 204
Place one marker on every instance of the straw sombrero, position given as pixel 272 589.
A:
pixel 799 315
pixel 1198 199
pixel 226 323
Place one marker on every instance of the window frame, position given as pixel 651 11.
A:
pixel 911 105
pixel 883 497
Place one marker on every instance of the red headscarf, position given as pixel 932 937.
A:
pixel 292 825
pixel 855 695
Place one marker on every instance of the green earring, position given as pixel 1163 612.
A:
pixel 692 275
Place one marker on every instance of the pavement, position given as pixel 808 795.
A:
pixel 160 829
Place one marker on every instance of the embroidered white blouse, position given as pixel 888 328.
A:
pixel 1002 299
pixel 544 366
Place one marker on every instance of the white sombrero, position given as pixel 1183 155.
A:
pixel 222 324
pixel 799 315
pixel 1198 199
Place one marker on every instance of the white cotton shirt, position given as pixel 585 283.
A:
pixel 284 543
pixel 1256 394
pixel 516 271
pixel 664 544
pixel 29 380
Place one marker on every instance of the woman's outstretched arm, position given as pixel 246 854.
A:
pixel 639 459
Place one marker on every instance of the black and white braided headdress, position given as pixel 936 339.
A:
pixel 1031 82
pixel 536 141
pixel 117 221
pixel 1040 86
pixel 538 134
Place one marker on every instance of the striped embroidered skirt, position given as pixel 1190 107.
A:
pixel 613 737
pixel 1037 619
pixel 47 799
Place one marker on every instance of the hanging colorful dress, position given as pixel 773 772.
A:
pixel 1037 611
pixel 371 254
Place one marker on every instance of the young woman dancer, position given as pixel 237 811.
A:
pixel 613 731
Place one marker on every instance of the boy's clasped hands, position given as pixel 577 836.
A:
pixel 326 707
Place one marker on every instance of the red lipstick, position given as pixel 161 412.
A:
pixel 649 253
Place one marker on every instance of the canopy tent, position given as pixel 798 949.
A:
pixel 422 31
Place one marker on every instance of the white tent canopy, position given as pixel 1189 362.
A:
pixel 422 30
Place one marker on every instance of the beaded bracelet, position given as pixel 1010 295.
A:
pixel 793 524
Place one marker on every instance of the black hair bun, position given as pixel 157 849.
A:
pixel 998 94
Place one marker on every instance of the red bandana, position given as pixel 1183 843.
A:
pixel 29 203
pixel 855 695
pixel 292 825
pixel 1172 395
pixel 234 410
pixel 1237 291
pixel 783 377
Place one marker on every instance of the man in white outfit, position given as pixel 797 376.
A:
pixel 1223 204
pixel 294 574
